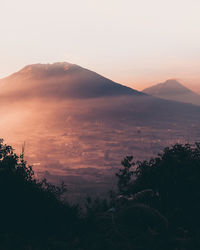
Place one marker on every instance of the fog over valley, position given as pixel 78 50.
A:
pixel 84 124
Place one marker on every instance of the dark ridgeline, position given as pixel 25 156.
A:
pixel 156 206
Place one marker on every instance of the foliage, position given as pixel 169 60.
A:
pixel 156 206
pixel 124 175
pixel 30 208
pixel 174 178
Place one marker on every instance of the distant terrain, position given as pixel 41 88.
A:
pixel 85 124
pixel 173 90
pixel 60 80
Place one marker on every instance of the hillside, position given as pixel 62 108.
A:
pixel 60 80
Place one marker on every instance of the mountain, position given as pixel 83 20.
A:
pixel 61 80
pixel 77 125
pixel 173 90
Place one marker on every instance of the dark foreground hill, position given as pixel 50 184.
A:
pixel 173 90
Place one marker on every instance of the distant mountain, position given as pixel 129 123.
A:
pixel 173 90
pixel 78 125
pixel 61 80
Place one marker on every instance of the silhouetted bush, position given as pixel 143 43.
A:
pixel 32 209
pixel 174 178
pixel 156 206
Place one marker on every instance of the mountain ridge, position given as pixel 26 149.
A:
pixel 64 79
pixel 86 131
pixel 173 90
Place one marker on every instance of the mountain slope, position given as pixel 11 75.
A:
pixel 78 125
pixel 61 80
pixel 173 90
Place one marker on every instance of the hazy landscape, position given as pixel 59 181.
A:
pixel 85 124
pixel 100 125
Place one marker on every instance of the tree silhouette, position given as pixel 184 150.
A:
pixel 156 206
pixel 174 177
pixel 30 208
pixel 124 175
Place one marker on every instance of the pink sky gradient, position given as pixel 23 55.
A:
pixel 137 43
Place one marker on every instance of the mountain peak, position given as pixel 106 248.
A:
pixel 172 82
pixel 170 86
pixel 45 66
pixel 64 80
pixel 173 90
pixel 45 70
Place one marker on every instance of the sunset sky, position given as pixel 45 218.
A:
pixel 134 42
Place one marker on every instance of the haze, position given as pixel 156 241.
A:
pixel 84 124
pixel 138 43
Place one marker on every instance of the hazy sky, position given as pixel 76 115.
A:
pixel 135 42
